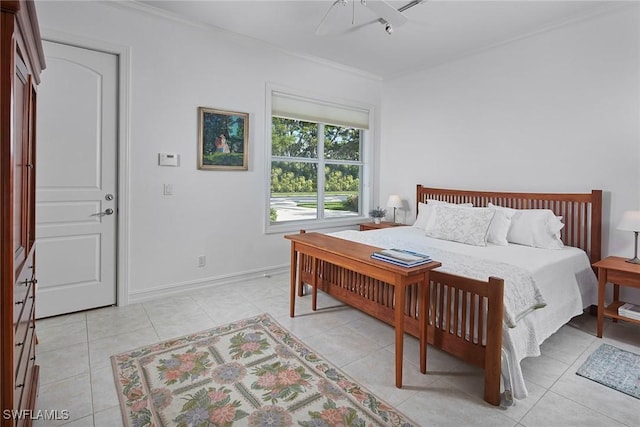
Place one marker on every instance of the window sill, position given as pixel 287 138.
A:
pixel 327 225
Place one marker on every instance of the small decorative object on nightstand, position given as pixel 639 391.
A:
pixel 377 214
pixel 631 222
pixel 617 271
pixel 394 202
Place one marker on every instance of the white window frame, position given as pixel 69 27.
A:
pixel 366 151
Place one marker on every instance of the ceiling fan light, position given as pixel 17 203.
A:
pixel 388 28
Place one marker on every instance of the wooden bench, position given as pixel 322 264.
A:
pixel 325 256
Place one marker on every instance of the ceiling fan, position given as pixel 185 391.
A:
pixel 388 15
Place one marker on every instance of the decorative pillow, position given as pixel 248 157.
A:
pixel 461 224
pixel 539 228
pixel 499 227
pixel 425 212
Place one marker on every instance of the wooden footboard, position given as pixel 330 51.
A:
pixel 465 315
pixel 465 320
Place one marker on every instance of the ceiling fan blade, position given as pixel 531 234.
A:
pixel 323 26
pixel 357 27
pixel 387 12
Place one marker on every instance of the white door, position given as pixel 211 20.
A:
pixel 76 161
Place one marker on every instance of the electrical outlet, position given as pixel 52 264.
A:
pixel 202 260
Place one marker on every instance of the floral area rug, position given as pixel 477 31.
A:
pixel 252 372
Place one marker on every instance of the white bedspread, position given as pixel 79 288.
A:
pixel 561 278
pixel 521 293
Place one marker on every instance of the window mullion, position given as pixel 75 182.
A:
pixel 320 170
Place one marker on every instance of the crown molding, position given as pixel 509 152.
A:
pixel 140 7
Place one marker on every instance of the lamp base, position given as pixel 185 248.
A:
pixel 635 259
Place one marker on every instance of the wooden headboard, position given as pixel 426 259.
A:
pixel 581 212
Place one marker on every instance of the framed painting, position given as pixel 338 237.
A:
pixel 223 139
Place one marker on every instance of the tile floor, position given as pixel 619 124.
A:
pixel 76 374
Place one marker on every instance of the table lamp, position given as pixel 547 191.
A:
pixel 394 202
pixel 631 222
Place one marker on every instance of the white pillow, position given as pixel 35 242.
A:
pixel 461 224
pixel 539 228
pixel 499 227
pixel 425 212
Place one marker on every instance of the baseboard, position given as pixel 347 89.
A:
pixel 181 287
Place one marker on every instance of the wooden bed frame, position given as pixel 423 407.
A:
pixel 465 315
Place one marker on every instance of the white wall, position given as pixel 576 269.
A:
pixel 176 68
pixel 555 112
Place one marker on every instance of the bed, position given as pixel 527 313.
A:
pixel 553 285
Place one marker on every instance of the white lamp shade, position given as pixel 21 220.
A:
pixel 394 201
pixel 630 221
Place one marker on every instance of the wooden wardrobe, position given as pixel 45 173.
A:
pixel 21 61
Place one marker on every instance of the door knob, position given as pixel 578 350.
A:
pixel 106 212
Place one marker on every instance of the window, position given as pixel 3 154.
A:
pixel 317 161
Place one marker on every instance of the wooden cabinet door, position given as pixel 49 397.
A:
pixel 20 151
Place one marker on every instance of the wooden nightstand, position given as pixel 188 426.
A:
pixel 617 271
pixel 373 226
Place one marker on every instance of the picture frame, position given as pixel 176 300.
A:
pixel 223 139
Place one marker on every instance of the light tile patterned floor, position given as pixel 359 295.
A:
pixel 76 375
